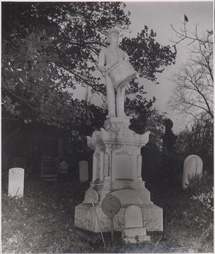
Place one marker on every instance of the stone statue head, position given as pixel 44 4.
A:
pixel 113 36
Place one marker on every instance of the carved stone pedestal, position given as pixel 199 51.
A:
pixel 117 165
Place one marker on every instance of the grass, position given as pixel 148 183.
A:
pixel 43 221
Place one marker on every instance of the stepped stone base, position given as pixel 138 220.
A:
pixel 92 218
pixel 136 235
pixel 117 166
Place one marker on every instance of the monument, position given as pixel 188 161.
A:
pixel 117 161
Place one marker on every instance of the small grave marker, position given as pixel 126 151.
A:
pixel 16 182
pixel 134 230
pixel 133 217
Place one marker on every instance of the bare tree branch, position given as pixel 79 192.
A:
pixel 193 92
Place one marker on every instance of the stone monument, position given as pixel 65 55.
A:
pixel 117 162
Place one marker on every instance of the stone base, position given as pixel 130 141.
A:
pixel 136 235
pixel 132 232
pixel 138 239
pixel 117 166
pixel 93 219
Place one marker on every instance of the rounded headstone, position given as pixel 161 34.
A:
pixel 133 217
pixel 193 165
pixel 110 205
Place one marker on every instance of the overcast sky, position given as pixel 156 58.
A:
pixel 159 16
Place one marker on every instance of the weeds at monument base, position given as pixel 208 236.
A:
pixel 43 222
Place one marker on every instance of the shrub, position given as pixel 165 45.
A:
pixel 206 199
pixel 201 187
pixel 199 184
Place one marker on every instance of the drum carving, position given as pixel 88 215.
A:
pixel 121 73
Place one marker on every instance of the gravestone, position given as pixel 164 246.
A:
pixel 64 166
pixel 133 217
pixel 83 171
pixel 49 168
pixel 193 165
pixel 134 231
pixel 16 182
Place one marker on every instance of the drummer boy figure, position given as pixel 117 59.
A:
pixel 108 57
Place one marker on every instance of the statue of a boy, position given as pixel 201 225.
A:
pixel 108 58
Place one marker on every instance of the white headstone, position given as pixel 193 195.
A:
pixel 133 217
pixel 134 231
pixel 83 171
pixel 16 182
pixel 193 165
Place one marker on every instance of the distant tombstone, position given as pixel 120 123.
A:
pixel 49 168
pixel 193 165
pixel 64 167
pixel 16 182
pixel 134 231
pixel 83 171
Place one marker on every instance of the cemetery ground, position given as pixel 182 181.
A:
pixel 43 221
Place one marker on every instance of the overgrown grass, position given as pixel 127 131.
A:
pixel 43 222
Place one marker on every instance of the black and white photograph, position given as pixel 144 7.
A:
pixel 107 129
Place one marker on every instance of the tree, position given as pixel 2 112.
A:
pixel 89 118
pixel 31 87
pixel 193 93
pixel 198 140
pixel 184 35
pixel 49 49
pixel 61 42
pixel 146 55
